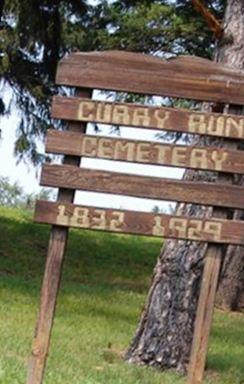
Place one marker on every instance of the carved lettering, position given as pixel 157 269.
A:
pixel 117 221
pixel 89 146
pixel 125 150
pixel 178 226
pixel 62 218
pixel 102 219
pixel 104 112
pixel 84 217
pixel 141 116
pixel 99 219
pixel 146 152
pixel 121 115
pixel 86 110
pixel 199 158
pixel 219 158
pixel 80 217
pixel 105 148
pixel 179 156
pixel 215 126
pixel 161 118
pixel 143 153
pixel 194 230
pixel 158 229
pixel 214 229
pixel 234 127
pixel 197 123
pixel 163 153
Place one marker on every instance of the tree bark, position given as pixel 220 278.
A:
pixel 164 335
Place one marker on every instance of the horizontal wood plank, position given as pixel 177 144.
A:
pixel 159 118
pixel 184 77
pixel 145 152
pixel 64 176
pixel 140 223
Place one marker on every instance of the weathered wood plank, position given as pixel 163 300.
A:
pixel 145 152
pixel 186 77
pixel 64 176
pixel 160 118
pixel 52 277
pixel 140 223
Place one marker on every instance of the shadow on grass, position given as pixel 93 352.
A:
pixel 93 258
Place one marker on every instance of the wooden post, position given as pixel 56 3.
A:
pixel 204 314
pixel 52 277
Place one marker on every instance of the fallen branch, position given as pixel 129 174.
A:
pixel 214 25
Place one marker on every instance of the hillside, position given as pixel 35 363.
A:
pixel 104 284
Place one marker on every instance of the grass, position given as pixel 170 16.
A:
pixel 104 284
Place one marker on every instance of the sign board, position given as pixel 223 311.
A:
pixel 187 77
pixel 141 223
pixel 159 118
pixel 145 152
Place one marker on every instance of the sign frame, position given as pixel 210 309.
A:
pixel 188 77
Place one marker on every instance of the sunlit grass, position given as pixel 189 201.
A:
pixel 105 281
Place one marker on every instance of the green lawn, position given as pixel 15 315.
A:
pixel 104 284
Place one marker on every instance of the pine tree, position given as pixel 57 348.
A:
pixel 35 34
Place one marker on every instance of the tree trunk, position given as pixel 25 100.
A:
pixel 230 293
pixel 164 335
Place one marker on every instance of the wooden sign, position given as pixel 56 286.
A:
pixel 66 176
pixel 186 77
pixel 145 152
pixel 160 118
pixel 140 223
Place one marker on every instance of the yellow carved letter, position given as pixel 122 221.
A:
pixel 141 117
pixel 117 222
pixel 214 229
pixel 197 123
pixel 179 226
pixel 121 115
pixel 179 156
pixel 105 148
pixel 219 157
pixel 199 158
pixel 86 110
pixel 161 117
pixel 158 229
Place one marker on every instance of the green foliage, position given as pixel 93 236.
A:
pixel 34 35
pixel 12 195
pixel 105 281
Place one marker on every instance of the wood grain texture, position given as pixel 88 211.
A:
pixel 140 223
pixel 159 118
pixel 52 277
pixel 64 176
pixel 186 76
pixel 145 152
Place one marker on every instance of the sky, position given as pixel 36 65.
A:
pixel 28 177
